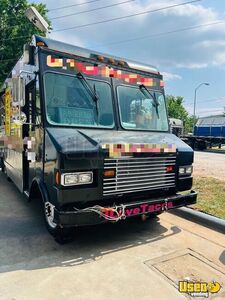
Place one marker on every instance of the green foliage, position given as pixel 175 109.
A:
pixel 16 30
pixel 189 124
pixel 176 109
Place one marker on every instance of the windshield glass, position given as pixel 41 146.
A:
pixel 141 110
pixel 69 101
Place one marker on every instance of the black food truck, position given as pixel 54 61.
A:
pixel 88 134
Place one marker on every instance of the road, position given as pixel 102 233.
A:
pixel 127 260
pixel 209 164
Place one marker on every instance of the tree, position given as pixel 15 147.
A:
pixel 16 30
pixel 189 124
pixel 175 107
pixel 177 110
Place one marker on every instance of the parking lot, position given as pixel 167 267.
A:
pixel 127 260
pixel 210 164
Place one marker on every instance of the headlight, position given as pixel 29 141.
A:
pixel 186 170
pixel 85 178
pixel 76 178
pixel 70 179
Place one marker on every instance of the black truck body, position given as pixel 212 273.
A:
pixel 73 137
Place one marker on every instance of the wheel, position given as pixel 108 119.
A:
pixel 201 145
pixel 61 235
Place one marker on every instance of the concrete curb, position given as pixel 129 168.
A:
pixel 212 151
pixel 200 218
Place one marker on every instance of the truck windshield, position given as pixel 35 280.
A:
pixel 69 102
pixel 142 110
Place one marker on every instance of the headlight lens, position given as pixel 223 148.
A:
pixel 70 179
pixel 77 178
pixel 85 178
pixel 186 170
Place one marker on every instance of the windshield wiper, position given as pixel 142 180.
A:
pixel 146 92
pixel 91 91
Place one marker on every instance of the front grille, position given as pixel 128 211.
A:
pixel 139 174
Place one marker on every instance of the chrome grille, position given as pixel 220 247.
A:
pixel 138 173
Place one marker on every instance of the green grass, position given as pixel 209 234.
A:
pixel 216 149
pixel 211 196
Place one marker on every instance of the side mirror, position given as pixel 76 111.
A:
pixel 28 55
pixel 18 89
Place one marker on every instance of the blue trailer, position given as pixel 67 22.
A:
pixel 213 126
pixel 208 131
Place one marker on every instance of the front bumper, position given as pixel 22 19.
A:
pixel 147 207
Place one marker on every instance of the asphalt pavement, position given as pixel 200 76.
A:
pixel 209 164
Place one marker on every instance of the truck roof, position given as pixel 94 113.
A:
pixel 211 120
pixel 175 122
pixel 87 53
pixel 213 116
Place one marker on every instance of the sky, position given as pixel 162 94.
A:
pixel 163 38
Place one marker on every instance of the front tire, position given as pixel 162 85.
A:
pixel 60 234
pixel 201 145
